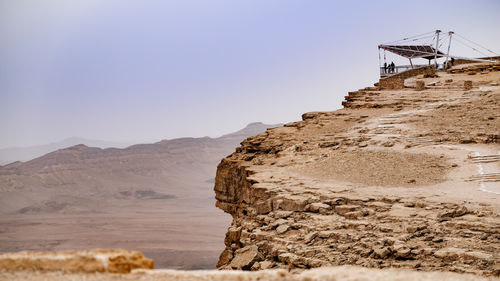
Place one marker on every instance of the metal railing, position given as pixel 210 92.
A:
pixel 388 71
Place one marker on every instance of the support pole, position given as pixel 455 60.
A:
pixel 448 53
pixel 379 61
pixel 411 63
pixel 437 45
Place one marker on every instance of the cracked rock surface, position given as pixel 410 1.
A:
pixel 405 178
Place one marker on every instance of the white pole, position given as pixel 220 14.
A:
pixel 448 53
pixel 437 44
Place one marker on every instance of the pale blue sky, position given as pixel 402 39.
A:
pixel 141 71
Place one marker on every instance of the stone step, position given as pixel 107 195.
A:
pixel 485 158
pixel 492 177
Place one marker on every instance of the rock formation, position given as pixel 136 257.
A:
pixel 405 178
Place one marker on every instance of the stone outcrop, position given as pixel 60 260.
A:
pixel 396 81
pixel 388 181
pixel 98 260
pixel 473 69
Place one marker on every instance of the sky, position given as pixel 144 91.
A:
pixel 143 71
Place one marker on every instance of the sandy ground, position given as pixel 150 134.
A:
pixel 163 230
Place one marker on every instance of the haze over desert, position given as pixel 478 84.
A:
pixel 249 140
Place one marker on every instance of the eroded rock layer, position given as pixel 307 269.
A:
pixel 398 178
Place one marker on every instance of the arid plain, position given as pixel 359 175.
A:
pixel 155 198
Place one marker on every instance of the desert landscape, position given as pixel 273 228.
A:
pixel 401 178
pixel 249 140
pixel 156 198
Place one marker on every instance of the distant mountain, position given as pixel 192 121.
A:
pixel 157 198
pixel 251 129
pixel 12 154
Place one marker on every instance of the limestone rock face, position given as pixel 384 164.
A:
pixel 98 260
pixel 391 180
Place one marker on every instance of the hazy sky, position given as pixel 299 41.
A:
pixel 137 71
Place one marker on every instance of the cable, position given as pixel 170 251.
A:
pixel 442 40
pixel 477 44
pixel 411 37
pixel 465 44
pixel 429 42
pixel 423 38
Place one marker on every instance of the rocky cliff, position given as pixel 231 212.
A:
pixel 404 178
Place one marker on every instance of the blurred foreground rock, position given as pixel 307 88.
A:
pixel 97 260
pixel 341 273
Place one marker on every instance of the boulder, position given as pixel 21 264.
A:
pixel 343 209
pixel 381 252
pixel 266 265
pixel 453 213
pixel 225 257
pixel 319 207
pixel 310 237
pixel 245 257
pixel 282 229
pixel 449 254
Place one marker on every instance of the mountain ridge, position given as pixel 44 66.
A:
pixel 251 129
pixel 163 186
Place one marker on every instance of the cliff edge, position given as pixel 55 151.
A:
pixel 406 175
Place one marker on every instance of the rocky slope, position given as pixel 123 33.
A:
pixel 405 178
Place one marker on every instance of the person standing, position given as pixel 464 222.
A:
pixel 393 67
pixel 385 67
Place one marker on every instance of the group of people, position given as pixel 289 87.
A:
pixel 389 68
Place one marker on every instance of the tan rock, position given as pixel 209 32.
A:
pixel 266 264
pixel 309 237
pixel 245 257
pixel 475 255
pixel 97 260
pixel 449 254
pixel 225 257
pixel 453 213
pixel 319 207
pixel 353 215
pixel 402 252
pixel 381 252
pixel 282 229
pixel 233 234
pixel 327 234
pixel 343 209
